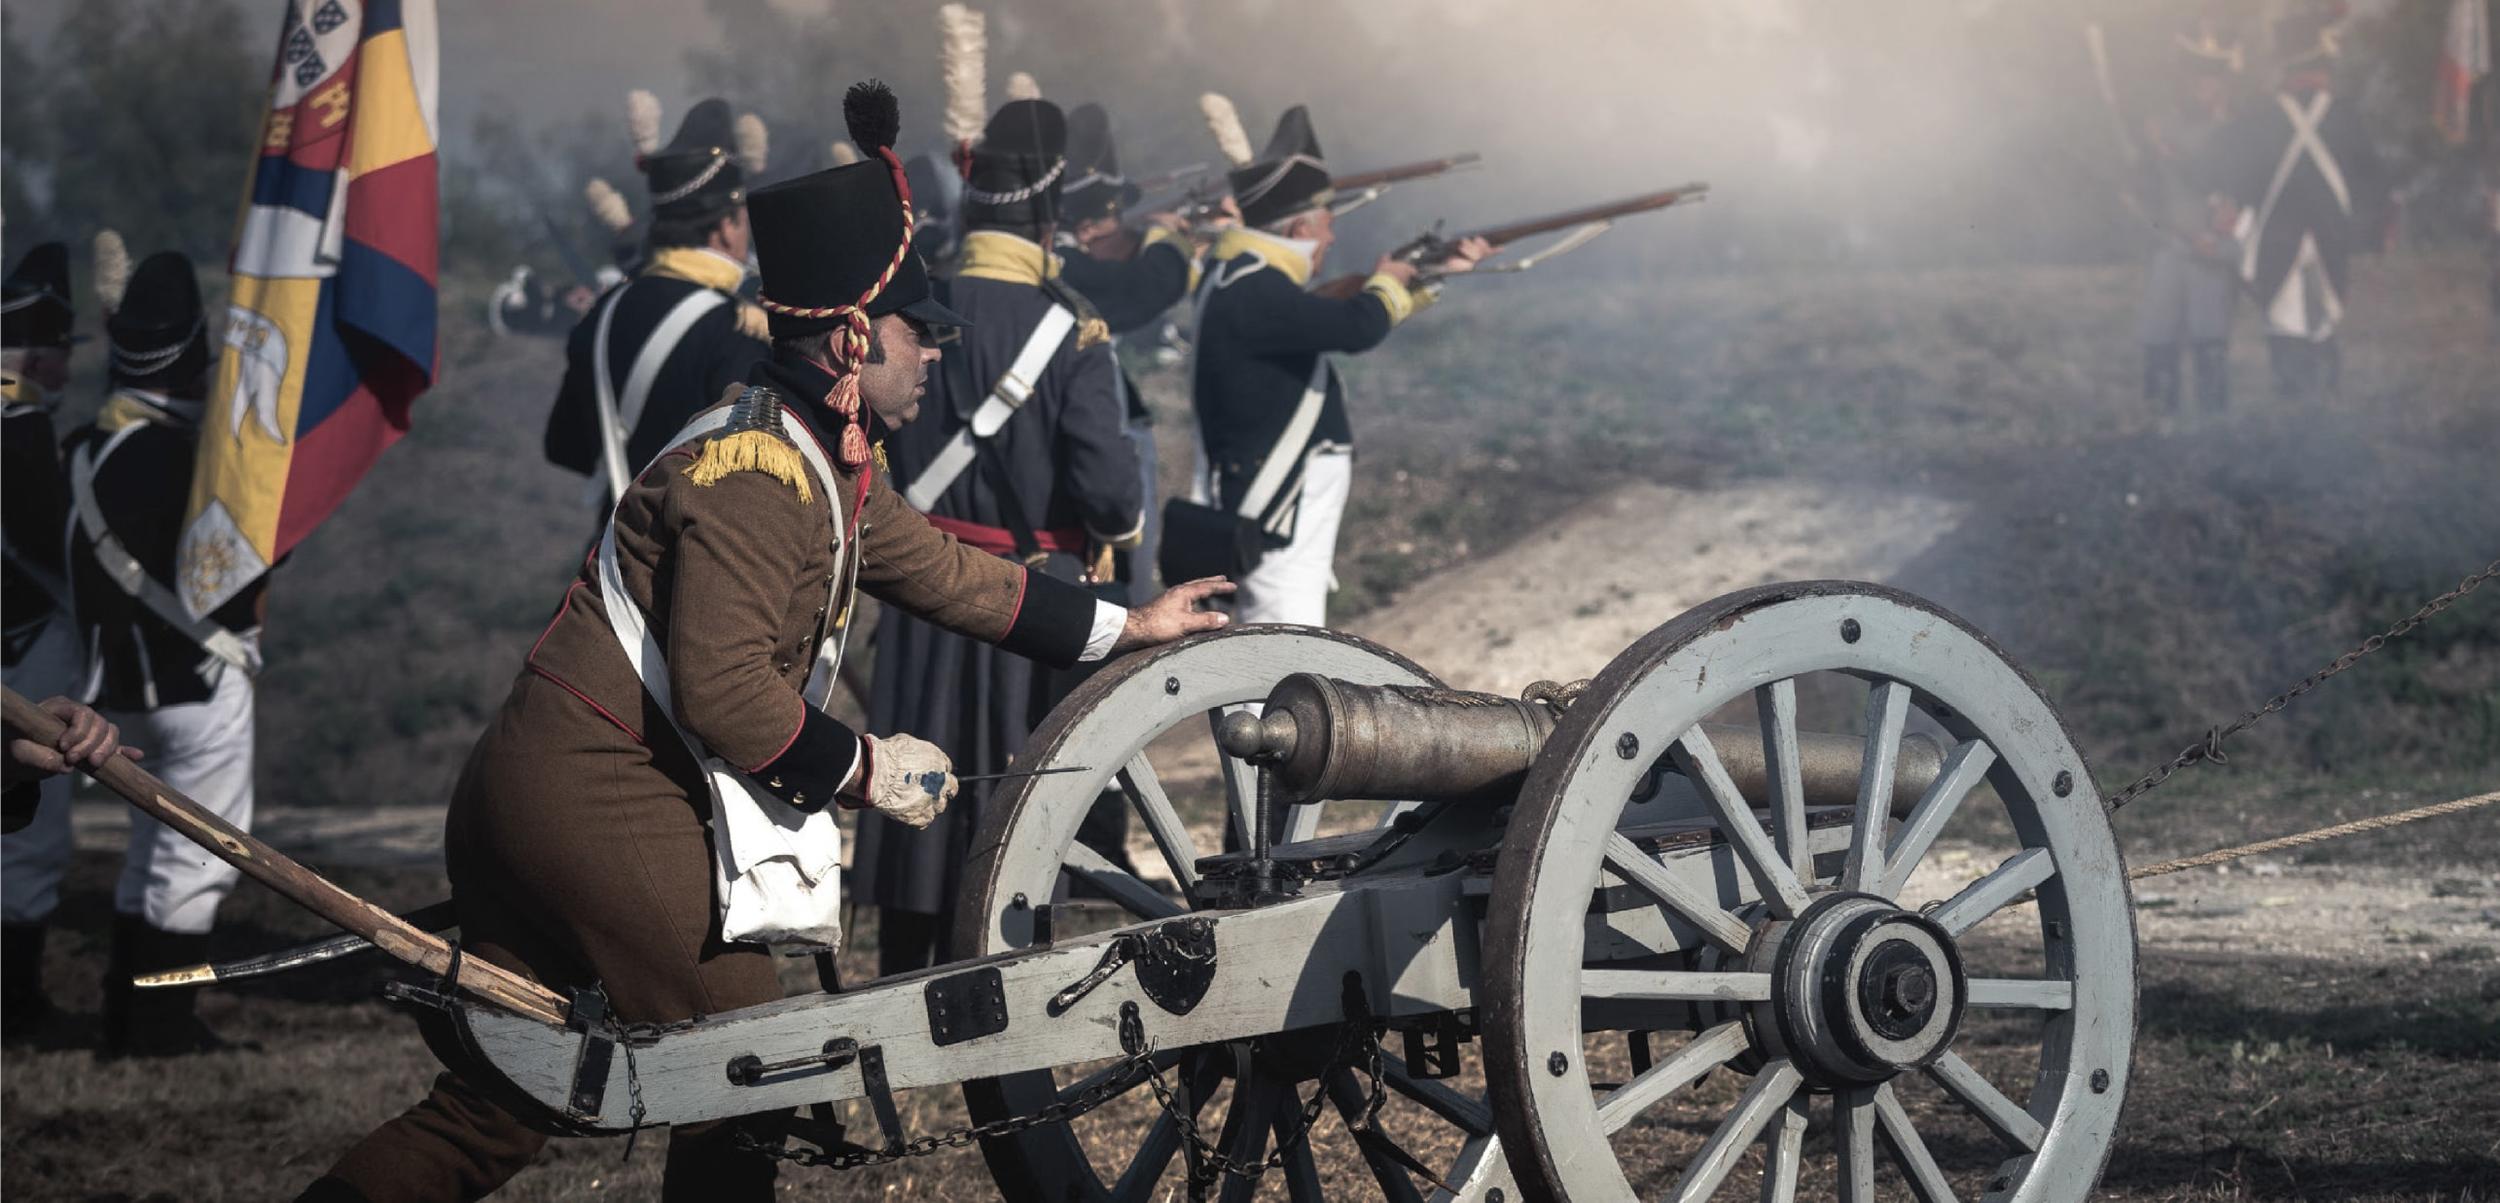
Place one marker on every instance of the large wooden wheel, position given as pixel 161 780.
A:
pixel 1815 989
pixel 1028 855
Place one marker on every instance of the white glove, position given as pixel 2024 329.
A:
pixel 910 780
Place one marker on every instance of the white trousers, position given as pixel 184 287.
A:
pixel 204 750
pixel 1291 583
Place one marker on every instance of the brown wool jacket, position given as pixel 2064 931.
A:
pixel 736 579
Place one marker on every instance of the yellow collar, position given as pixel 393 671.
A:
pixel 132 406
pixel 697 265
pixel 999 255
pixel 1291 256
pixel 22 390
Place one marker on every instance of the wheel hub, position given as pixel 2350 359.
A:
pixel 1861 990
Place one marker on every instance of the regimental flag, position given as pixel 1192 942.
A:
pixel 330 333
pixel 2464 59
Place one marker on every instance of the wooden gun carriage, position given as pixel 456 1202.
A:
pixel 1655 893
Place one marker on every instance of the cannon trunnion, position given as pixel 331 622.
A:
pixel 1614 897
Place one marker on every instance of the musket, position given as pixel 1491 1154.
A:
pixel 1161 180
pixel 1363 187
pixel 260 862
pixel 1582 226
pixel 574 261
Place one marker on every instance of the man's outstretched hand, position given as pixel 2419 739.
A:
pixel 1175 613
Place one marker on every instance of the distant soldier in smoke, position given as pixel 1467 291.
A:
pixel 36 317
pixel 2193 285
pixel 1024 456
pixel 2304 184
pixel 181 685
pixel 677 333
pixel 1277 446
pixel 1134 270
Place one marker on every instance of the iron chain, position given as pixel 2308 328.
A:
pixel 2210 749
pixel 1218 1162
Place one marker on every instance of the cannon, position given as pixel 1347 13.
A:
pixel 1654 895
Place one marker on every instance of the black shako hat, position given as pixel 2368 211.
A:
pixel 158 335
pixel 1287 177
pixel 824 241
pixel 1018 166
pixel 35 308
pixel 696 176
pixel 1095 187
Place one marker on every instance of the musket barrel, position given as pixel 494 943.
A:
pixel 1503 235
pixel 1403 172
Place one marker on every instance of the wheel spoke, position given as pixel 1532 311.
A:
pixel 1699 1056
pixel 2003 1116
pixel 1347 1094
pixel 1765 1097
pixel 1887 707
pixel 1302 1184
pixel 1467 1112
pixel 2020 873
pixel 1241 781
pixel 2022 994
pixel 1643 872
pixel 1244 1140
pixel 1784 1154
pixel 1853 1113
pixel 1138 1181
pixel 1124 887
pixel 1672 985
pixel 1901 1139
pixel 1776 705
pixel 1964 767
pixel 1698 758
pixel 1163 821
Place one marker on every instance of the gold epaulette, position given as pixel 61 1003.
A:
pixel 753 323
pixel 753 441
pixel 1091 331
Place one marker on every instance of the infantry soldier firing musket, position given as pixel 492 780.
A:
pixel 1577 226
pixel 1275 445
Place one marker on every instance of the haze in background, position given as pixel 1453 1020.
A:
pixel 1891 134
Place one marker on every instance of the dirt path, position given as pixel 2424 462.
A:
pixel 1561 603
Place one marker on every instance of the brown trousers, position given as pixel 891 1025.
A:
pixel 575 859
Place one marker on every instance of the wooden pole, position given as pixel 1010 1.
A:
pixel 300 885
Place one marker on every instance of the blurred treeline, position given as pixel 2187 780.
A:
pixel 1874 135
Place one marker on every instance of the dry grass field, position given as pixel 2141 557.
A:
pixel 2320 1026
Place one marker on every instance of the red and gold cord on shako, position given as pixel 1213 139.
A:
pixel 850 350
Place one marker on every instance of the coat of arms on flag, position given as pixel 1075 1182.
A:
pixel 329 335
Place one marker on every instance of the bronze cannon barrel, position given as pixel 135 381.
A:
pixel 1328 740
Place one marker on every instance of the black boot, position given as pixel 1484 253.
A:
pixel 2161 375
pixel 129 931
pixel 24 1008
pixel 161 1022
pixel 2213 375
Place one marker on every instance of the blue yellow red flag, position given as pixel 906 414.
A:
pixel 329 333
